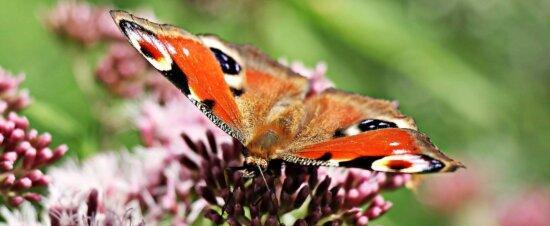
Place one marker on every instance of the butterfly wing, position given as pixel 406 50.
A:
pixel 263 104
pixel 351 130
pixel 236 86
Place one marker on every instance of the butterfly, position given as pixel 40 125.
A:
pixel 264 105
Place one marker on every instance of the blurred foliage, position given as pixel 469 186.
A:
pixel 474 74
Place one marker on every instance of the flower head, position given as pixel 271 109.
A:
pixel 26 215
pixel 528 208
pixel 82 22
pixel 317 75
pixel 11 97
pixel 324 196
pixel 115 183
pixel 163 124
pixel 23 151
pixel 449 193
pixel 125 73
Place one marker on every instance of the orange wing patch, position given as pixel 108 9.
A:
pixel 381 142
pixel 388 150
pixel 204 76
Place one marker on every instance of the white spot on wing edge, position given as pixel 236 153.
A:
pixel 171 49
pixel 185 51
pixel 394 144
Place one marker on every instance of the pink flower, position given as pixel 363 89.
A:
pixel 115 182
pixel 450 192
pixel 359 186
pixel 163 124
pixel 11 97
pixel 23 151
pixel 531 208
pixel 26 215
pixel 317 76
pixel 331 195
pixel 147 182
pixel 82 22
pixel 125 73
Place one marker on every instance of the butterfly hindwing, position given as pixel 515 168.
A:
pixel 350 130
pixel 335 113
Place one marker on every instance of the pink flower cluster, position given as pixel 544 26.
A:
pixel 126 74
pixel 317 79
pixel 82 22
pixel 23 151
pixel 530 207
pixel 457 194
pixel 12 98
pixel 119 183
pixel 163 124
pixel 360 186
pixel 122 70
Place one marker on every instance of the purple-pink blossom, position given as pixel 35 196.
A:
pixel 12 98
pixel 125 73
pixel 530 207
pixel 82 22
pixel 23 150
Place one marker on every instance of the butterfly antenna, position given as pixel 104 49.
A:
pixel 263 177
pixel 270 191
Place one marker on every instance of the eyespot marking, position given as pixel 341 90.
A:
pixel 399 164
pixel 147 44
pixel 149 50
pixel 373 124
pixel 228 64
pixel 407 164
pixel 363 126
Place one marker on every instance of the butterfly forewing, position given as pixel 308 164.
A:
pixel 189 64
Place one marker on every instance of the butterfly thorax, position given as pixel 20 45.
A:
pixel 265 143
pixel 276 132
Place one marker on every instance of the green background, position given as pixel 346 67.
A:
pixel 474 74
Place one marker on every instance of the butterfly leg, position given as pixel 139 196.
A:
pixel 246 171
